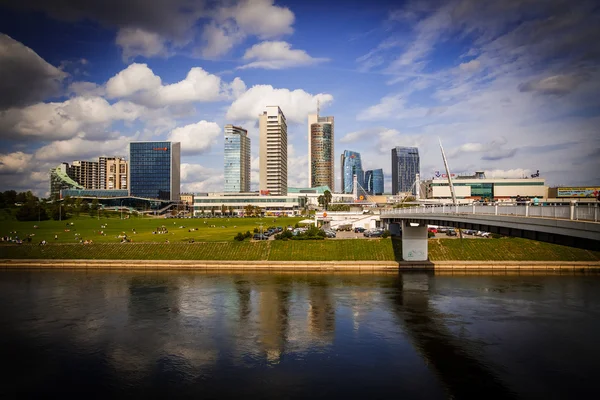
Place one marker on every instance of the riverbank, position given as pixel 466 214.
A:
pixel 323 266
pixel 337 251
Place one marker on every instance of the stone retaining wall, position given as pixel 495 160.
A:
pixel 324 266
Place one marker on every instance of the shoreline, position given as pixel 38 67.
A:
pixel 323 266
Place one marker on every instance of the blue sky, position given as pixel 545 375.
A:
pixel 509 87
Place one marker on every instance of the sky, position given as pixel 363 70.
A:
pixel 509 87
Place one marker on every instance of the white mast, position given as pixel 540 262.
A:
pixel 448 174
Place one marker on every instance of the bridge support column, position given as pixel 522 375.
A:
pixel 414 242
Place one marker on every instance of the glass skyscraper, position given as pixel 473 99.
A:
pixel 321 155
pixel 154 170
pixel 237 159
pixel 405 167
pixel 351 165
pixel 374 181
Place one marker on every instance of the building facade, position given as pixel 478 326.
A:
pixel 321 154
pixel 112 173
pixel 315 156
pixel 374 181
pixel 273 152
pixel 351 165
pixel 154 170
pixel 86 174
pixel 405 166
pixel 60 179
pixel 237 159
pixel 487 189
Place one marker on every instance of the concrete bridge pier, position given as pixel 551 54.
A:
pixel 414 242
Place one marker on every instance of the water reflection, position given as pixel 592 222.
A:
pixel 298 335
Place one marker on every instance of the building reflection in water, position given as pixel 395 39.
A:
pixel 321 314
pixel 273 319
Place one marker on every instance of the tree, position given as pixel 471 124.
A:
pixel 327 196
pixel 85 207
pixel 249 210
pixel 77 206
pixel 223 209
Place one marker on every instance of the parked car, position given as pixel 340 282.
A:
pixel 373 233
pixel 432 230
pixel 358 229
pixel 451 232
pixel 259 236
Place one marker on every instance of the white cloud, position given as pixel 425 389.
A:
pixel 277 55
pixel 48 121
pixel 556 84
pixel 26 77
pixel 85 89
pixel 81 149
pixel 470 66
pixel 196 178
pixel 134 78
pixel 232 24
pixel 219 39
pixel 388 106
pixel 138 42
pixel 196 138
pixel 14 163
pixel 295 104
pixel 261 18
pixel 142 86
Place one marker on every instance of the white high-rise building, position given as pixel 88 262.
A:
pixel 273 152
pixel 320 133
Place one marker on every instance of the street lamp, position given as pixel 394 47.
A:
pixel 121 207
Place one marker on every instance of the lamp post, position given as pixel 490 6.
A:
pixel 121 208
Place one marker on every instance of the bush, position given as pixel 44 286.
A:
pixel 495 236
pixel 430 234
pixel 285 235
pixel 386 234
pixel 239 237
pixel 247 234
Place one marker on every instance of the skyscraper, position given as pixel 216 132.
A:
pixel 321 150
pixel 321 155
pixel 237 159
pixel 405 167
pixel 273 152
pixel 351 165
pixel 154 170
pixel 374 181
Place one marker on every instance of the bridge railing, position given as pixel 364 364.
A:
pixel 573 211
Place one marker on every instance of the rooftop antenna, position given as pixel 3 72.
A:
pixel 318 109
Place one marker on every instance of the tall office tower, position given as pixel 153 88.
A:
pixel 237 159
pixel 273 152
pixel 405 167
pixel 374 181
pixel 351 165
pixel 314 153
pixel 320 155
pixel 154 170
pixel 113 173
pixel 86 174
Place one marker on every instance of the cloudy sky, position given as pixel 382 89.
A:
pixel 510 87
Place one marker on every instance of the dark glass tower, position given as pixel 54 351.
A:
pixel 374 181
pixel 154 170
pixel 351 165
pixel 405 167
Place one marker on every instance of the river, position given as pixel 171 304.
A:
pixel 107 334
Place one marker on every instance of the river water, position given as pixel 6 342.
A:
pixel 286 336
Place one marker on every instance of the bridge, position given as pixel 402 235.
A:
pixel 575 224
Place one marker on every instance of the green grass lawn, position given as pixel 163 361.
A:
pixel 179 230
pixel 216 243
